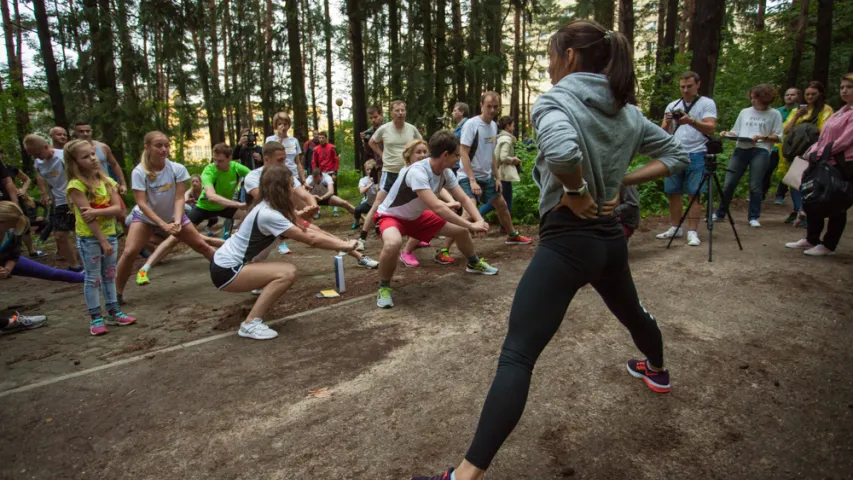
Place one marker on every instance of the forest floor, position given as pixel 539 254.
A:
pixel 758 343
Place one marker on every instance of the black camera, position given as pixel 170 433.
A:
pixel 251 139
pixel 677 114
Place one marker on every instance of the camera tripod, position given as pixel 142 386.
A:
pixel 710 179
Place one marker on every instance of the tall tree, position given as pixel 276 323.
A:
pixel 297 73
pixel 209 83
pixel 54 89
pixel 474 71
pixel 516 59
pixel 427 101
pixel 665 56
pixel 457 44
pixel 799 44
pixel 603 13
pixel 233 135
pixel 394 54
pixel 626 20
pixel 128 74
pixel 823 44
pixel 309 15
pixel 327 32
pixel 705 42
pixel 267 103
pixel 359 106
pixel 684 31
pixel 759 30
pixel 440 59
pixel 16 82
pixel 100 33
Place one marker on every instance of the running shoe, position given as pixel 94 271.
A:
pixel 718 218
pixel 779 200
pixel 481 267
pixel 656 381
pixel 819 251
pixel 225 235
pixel 142 278
pixel 443 476
pixel 97 326
pixel 360 247
pixel 367 262
pixel 335 211
pixel 38 254
pixel 208 232
pixel 383 298
pixel 517 239
pixel 754 223
pixel 800 244
pixel 442 256
pixel 423 245
pixel 256 330
pixel 693 239
pixel 120 319
pixel 316 215
pixel 409 259
pixel 672 232
pixel 283 248
pixel 76 269
pixel 354 226
pixel 791 218
pixel 20 322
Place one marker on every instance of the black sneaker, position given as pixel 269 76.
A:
pixel 656 381
pixel 791 218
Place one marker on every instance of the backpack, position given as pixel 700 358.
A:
pixel 801 137
pixel 827 189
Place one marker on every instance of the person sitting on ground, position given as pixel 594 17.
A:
pixel 763 125
pixel 9 191
pixel 272 217
pixel 191 198
pixel 322 187
pixel 219 181
pixel 369 187
pixel 837 131
pixel 413 208
pixel 12 223
pixel 817 112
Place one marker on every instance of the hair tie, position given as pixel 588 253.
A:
pixel 608 35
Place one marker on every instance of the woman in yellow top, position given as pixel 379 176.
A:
pixel 96 206
pixel 815 95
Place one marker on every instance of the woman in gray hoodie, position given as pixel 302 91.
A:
pixel 588 133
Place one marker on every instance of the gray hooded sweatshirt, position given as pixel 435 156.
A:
pixel 578 124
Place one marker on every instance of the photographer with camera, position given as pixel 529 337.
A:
pixel 248 152
pixel 690 119
pixel 374 113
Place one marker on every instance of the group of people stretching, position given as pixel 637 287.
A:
pixel 588 130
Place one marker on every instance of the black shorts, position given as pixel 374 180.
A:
pixel 386 181
pixel 198 215
pixel 324 202
pixel 62 218
pixel 222 276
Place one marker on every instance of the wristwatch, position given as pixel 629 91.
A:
pixel 578 192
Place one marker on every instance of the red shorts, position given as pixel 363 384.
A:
pixel 424 228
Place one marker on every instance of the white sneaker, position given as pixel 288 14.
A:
pixel 754 223
pixel 715 218
pixel 799 244
pixel 335 212
pixel 693 239
pixel 819 251
pixel 368 262
pixel 257 330
pixel 283 249
pixel 672 232
pixel 360 247
pixel 257 292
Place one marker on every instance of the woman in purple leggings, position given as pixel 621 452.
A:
pixel 13 225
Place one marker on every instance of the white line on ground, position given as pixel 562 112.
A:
pixel 194 343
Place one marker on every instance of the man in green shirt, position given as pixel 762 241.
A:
pixel 793 98
pixel 219 181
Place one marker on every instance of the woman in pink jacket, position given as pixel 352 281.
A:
pixel 838 130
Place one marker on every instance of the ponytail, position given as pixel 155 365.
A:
pixel 620 69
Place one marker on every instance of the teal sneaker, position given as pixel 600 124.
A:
pixel 482 268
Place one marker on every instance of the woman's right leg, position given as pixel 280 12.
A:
pixel 25 267
pixel 137 236
pixel 538 308
pixel 274 278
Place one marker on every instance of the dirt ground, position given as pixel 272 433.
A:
pixel 758 343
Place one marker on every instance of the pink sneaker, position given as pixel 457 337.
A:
pixel 97 326
pixel 423 245
pixel 801 243
pixel 819 251
pixel 409 259
pixel 120 319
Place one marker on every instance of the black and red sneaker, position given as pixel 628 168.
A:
pixel 656 381
pixel 443 476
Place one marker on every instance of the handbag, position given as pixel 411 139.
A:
pixel 794 176
pixel 826 188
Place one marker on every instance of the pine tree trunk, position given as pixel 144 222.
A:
pixel 705 42
pixel 474 71
pixel 267 71
pixel 130 95
pixel 759 31
pixel 61 27
pixel 297 74
pixel 54 88
pixel 516 61
pixel 521 122
pixel 105 78
pixel 427 99
pixel 686 15
pixel 233 136
pixel 327 32
pixel 823 46
pixel 310 24
pixel 626 20
pixel 603 13
pixel 659 100
pixel 799 44
pixel 354 13
pixel 16 82
pixel 412 59
pixel 440 62
pixel 457 42
pixel 394 57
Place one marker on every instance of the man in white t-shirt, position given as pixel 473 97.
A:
pixel 281 123
pixel 479 176
pixel 50 172
pixel 388 142
pixel 412 208
pixel 59 137
pixel 322 188
pixel 690 119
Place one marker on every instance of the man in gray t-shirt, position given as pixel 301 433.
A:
pixel 690 119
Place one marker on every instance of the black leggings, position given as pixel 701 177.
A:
pixel 834 228
pixel 558 270
pixel 362 209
